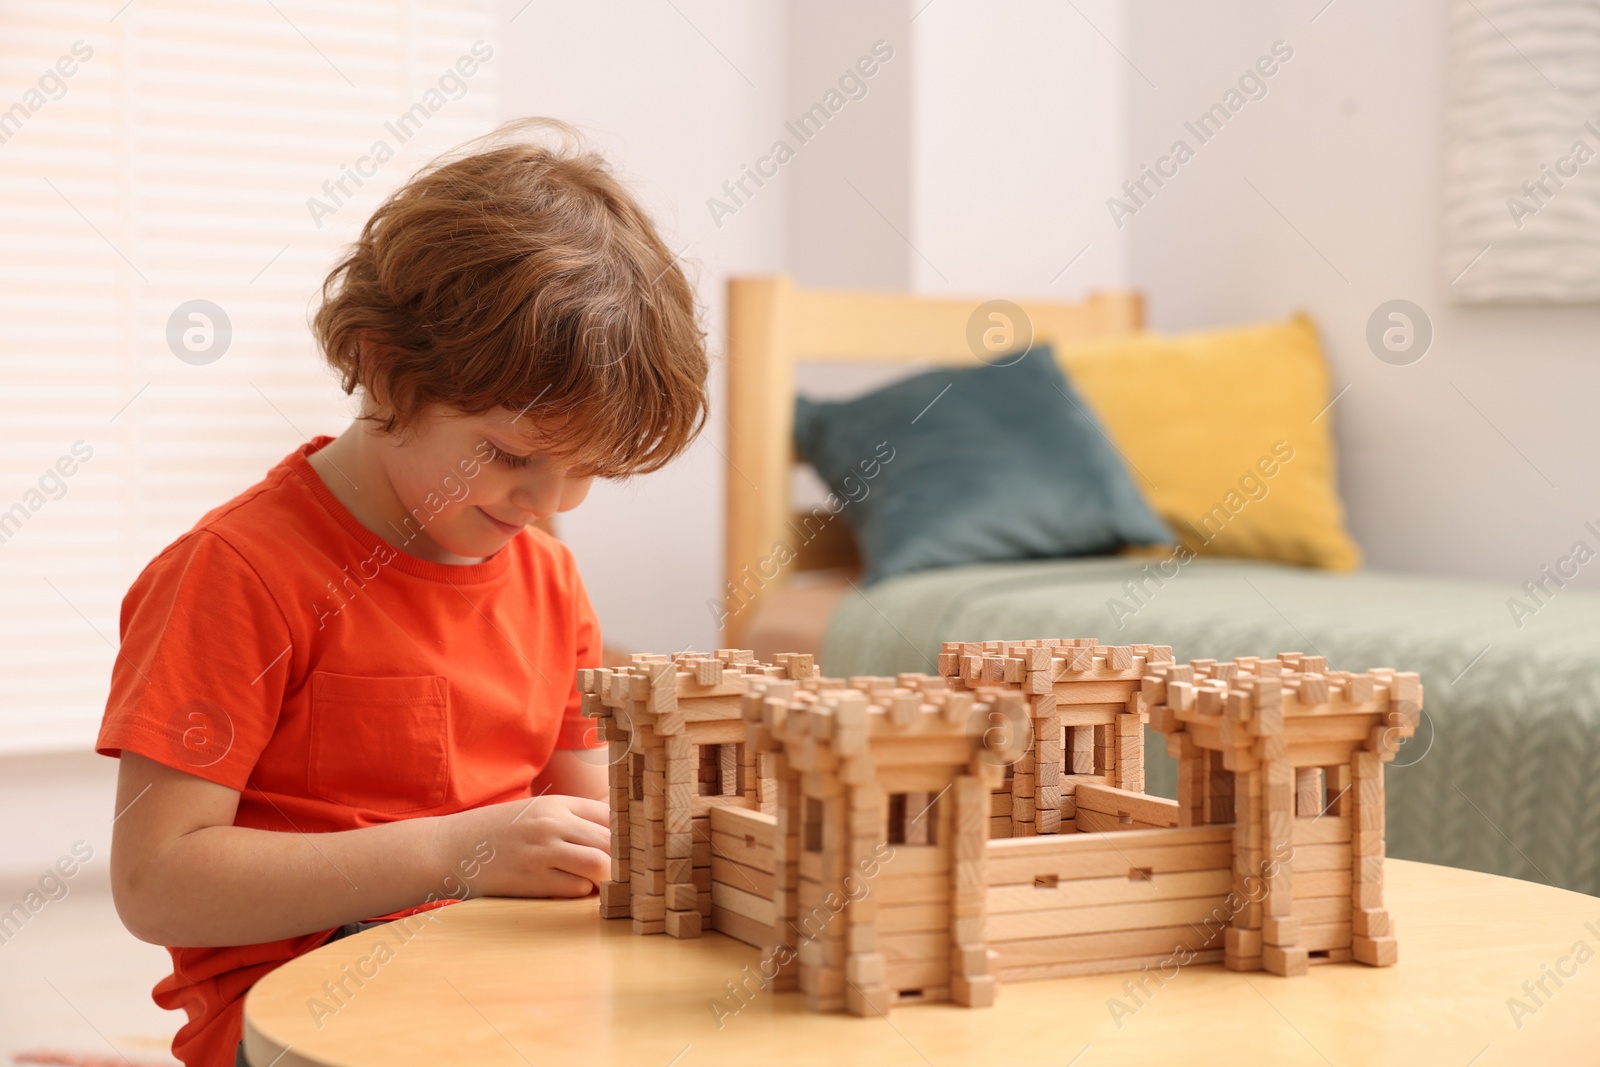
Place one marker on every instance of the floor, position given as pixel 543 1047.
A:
pixel 75 986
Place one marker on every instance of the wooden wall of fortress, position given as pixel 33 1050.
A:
pixel 829 765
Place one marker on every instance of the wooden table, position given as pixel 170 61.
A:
pixel 514 982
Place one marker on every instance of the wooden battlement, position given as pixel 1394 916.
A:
pixel 921 710
pixel 923 837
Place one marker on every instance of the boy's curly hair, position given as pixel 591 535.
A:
pixel 513 274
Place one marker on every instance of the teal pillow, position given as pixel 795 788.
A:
pixel 997 462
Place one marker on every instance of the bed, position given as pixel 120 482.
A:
pixel 1504 774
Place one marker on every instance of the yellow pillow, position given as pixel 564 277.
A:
pixel 1217 428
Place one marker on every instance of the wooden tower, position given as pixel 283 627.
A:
pixel 1086 717
pixel 1292 755
pixel 676 748
pixel 882 821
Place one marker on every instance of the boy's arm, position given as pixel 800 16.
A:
pixel 575 772
pixel 183 875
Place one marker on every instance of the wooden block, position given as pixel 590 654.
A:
pixel 679 814
pixel 860 936
pixel 736 849
pixel 967 929
pixel 614 893
pixel 1330 857
pixel 1367 842
pixel 744 903
pixel 1080 749
pixel 1280 930
pixel 1371 922
pixel 681 897
pixel 1104 918
pixel 925 975
pixel 1308 791
pixel 1313 689
pixel 1098 822
pixel 1143 809
pixel 863 909
pixel 974 992
pixel 1242 942
pixel 1061 970
pixel 739 876
pixel 873 1003
pixel 865 969
pixel 969 960
pixel 1376 951
pixel 1285 961
pixel 1369 816
pixel 741 927
pixel 1366 895
pixel 650 926
pixel 649 908
pixel 1322 937
pixel 1047 779
pixel 1327 830
pixel 678 749
pixel 647 834
pixel 1321 910
pixel 682 924
pixel 1279 900
pixel 912 918
pixel 1154 944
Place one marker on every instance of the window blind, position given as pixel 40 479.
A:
pixel 176 178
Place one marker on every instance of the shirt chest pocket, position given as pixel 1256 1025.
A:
pixel 380 744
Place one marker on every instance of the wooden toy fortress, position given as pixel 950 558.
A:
pixel 926 837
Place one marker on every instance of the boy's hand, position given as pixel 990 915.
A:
pixel 550 846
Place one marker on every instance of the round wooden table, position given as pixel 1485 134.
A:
pixel 508 983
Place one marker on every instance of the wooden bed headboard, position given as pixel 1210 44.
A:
pixel 773 325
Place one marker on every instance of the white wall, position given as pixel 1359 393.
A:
pixel 860 164
pixel 50 801
pixel 1347 146
pixel 1018 128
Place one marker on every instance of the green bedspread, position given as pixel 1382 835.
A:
pixel 1504 772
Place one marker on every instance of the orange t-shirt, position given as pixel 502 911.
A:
pixel 282 649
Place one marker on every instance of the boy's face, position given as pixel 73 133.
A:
pixel 470 483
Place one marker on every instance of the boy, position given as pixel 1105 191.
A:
pixel 348 693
